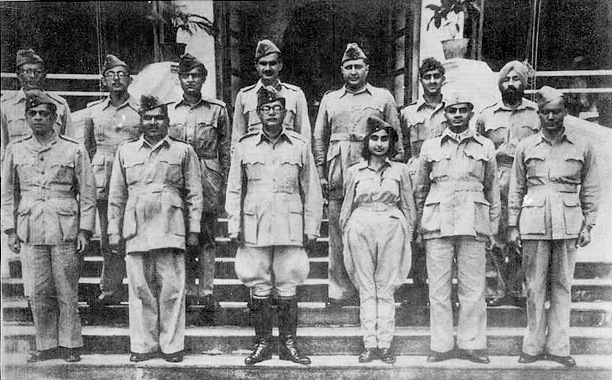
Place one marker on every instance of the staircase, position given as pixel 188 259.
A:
pixel 217 343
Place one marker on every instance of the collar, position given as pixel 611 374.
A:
pixel 458 137
pixel 130 101
pixel 283 135
pixel 42 147
pixel 363 164
pixel 422 103
pixel 20 96
pixel 500 106
pixel 367 89
pixel 564 137
pixel 183 102
pixel 259 85
pixel 144 143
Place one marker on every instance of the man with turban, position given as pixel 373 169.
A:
pixel 552 207
pixel 506 123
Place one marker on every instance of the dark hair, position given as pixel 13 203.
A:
pixel 365 151
pixel 430 64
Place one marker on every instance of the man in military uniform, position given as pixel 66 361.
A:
pixel 274 204
pixel 338 140
pixel 268 62
pixel 48 213
pixel 108 123
pixel 420 121
pixel 204 124
pixel 155 206
pixel 458 206
pixel 552 207
pixel 506 123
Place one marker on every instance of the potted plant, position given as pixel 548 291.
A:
pixel 449 11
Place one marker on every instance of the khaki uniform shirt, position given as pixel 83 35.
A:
pixel 106 127
pixel 13 122
pixel 48 191
pixel 273 191
pixel 554 188
pixel 155 195
pixel 420 121
pixel 246 118
pixel 205 126
pixel 457 191
pixel 341 127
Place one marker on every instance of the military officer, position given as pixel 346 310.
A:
pixel 552 207
pixel 48 213
pixel 31 75
pixel 274 204
pixel 269 63
pixel 338 136
pixel 204 124
pixel 108 123
pixel 419 121
pixel 155 206
pixel 457 200
pixel 506 123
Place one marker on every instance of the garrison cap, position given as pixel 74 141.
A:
pixel 457 98
pixel 268 94
pixel 112 61
pixel 521 69
pixel 27 56
pixel 375 124
pixel 265 47
pixel 188 62
pixel 548 94
pixel 150 102
pixel 34 98
pixel 353 51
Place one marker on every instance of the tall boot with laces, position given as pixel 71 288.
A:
pixel 261 318
pixel 287 327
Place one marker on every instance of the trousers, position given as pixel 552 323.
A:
pixel 340 285
pixel 203 269
pixel 113 269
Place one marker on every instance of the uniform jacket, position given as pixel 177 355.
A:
pixel 155 195
pixel 340 129
pixel 13 122
pixel 106 127
pixel 48 191
pixel 246 118
pixel 419 122
pixel 457 191
pixel 554 189
pixel 205 126
pixel 273 191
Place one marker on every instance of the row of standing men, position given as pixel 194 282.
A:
pixel 339 135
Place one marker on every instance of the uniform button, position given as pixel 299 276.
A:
pixel 42 158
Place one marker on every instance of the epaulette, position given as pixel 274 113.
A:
pixel 295 134
pixel 63 137
pixel 21 139
pixel 57 98
pixel 133 139
pixel 95 102
pixel 332 90
pixel 177 139
pixel 291 87
pixel 248 134
pixel 489 106
pixel 215 101
pixel 248 88
pixel 8 95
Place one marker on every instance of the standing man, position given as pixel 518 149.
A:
pixel 31 75
pixel 108 123
pixel 155 205
pixel 269 63
pixel 203 124
pixel 274 205
pixel 420 121
pixel 457 199
pixel 48 213
pixel 506 123
pixel 553 202
pixel 338 141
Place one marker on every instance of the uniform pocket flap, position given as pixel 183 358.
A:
pixel 66 211
pixel 131 162
pixel 571 202
pixel 482 201
pixel 533 202
pixel 253 160
pixel 434 198
pixel 171 160
pixel 477 154
pixel 295 208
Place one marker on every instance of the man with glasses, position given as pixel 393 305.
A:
pixel 268 62
pixel 338 140
pixel 108 123
pixel 457 200
pixel 274 205
pixel 204 124
pixel 48 212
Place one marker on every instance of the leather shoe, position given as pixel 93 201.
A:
pixel 368 355
pixel 289 351
pixel 39 356
pixel 526 358
pixel 387 355
pixel 567 361
pixel 475 356
pixel 176 357
pixel 261 352
pixel 72 355
pixel 436 356
pixel 135 357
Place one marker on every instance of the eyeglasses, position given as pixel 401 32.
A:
pixel 31 72
pixel 112 74
pixel 454 110
pixel 43 113
pixel 267 109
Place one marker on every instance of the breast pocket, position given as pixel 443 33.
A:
pixel 439 161
pixel 63 171
pixel 101 167
pixel 289 172
pixel 206 139
pixel 536 166
pixel 254 168
pixel 68 222
pixel 296 223
pixel 249 225
pixel 476 160
pixel 170 169
pixel 572 167
pixel 134 170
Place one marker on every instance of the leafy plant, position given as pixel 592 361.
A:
pixel 169 13
pixel 469 7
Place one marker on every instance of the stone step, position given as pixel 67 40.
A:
pixel 320 340
pixel 113 366
pixel 583 314
pixel 313 290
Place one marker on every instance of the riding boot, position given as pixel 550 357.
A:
pixel 261 318
pixel 287 327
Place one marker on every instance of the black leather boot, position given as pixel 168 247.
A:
pixel 261 318
pixel 287 327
